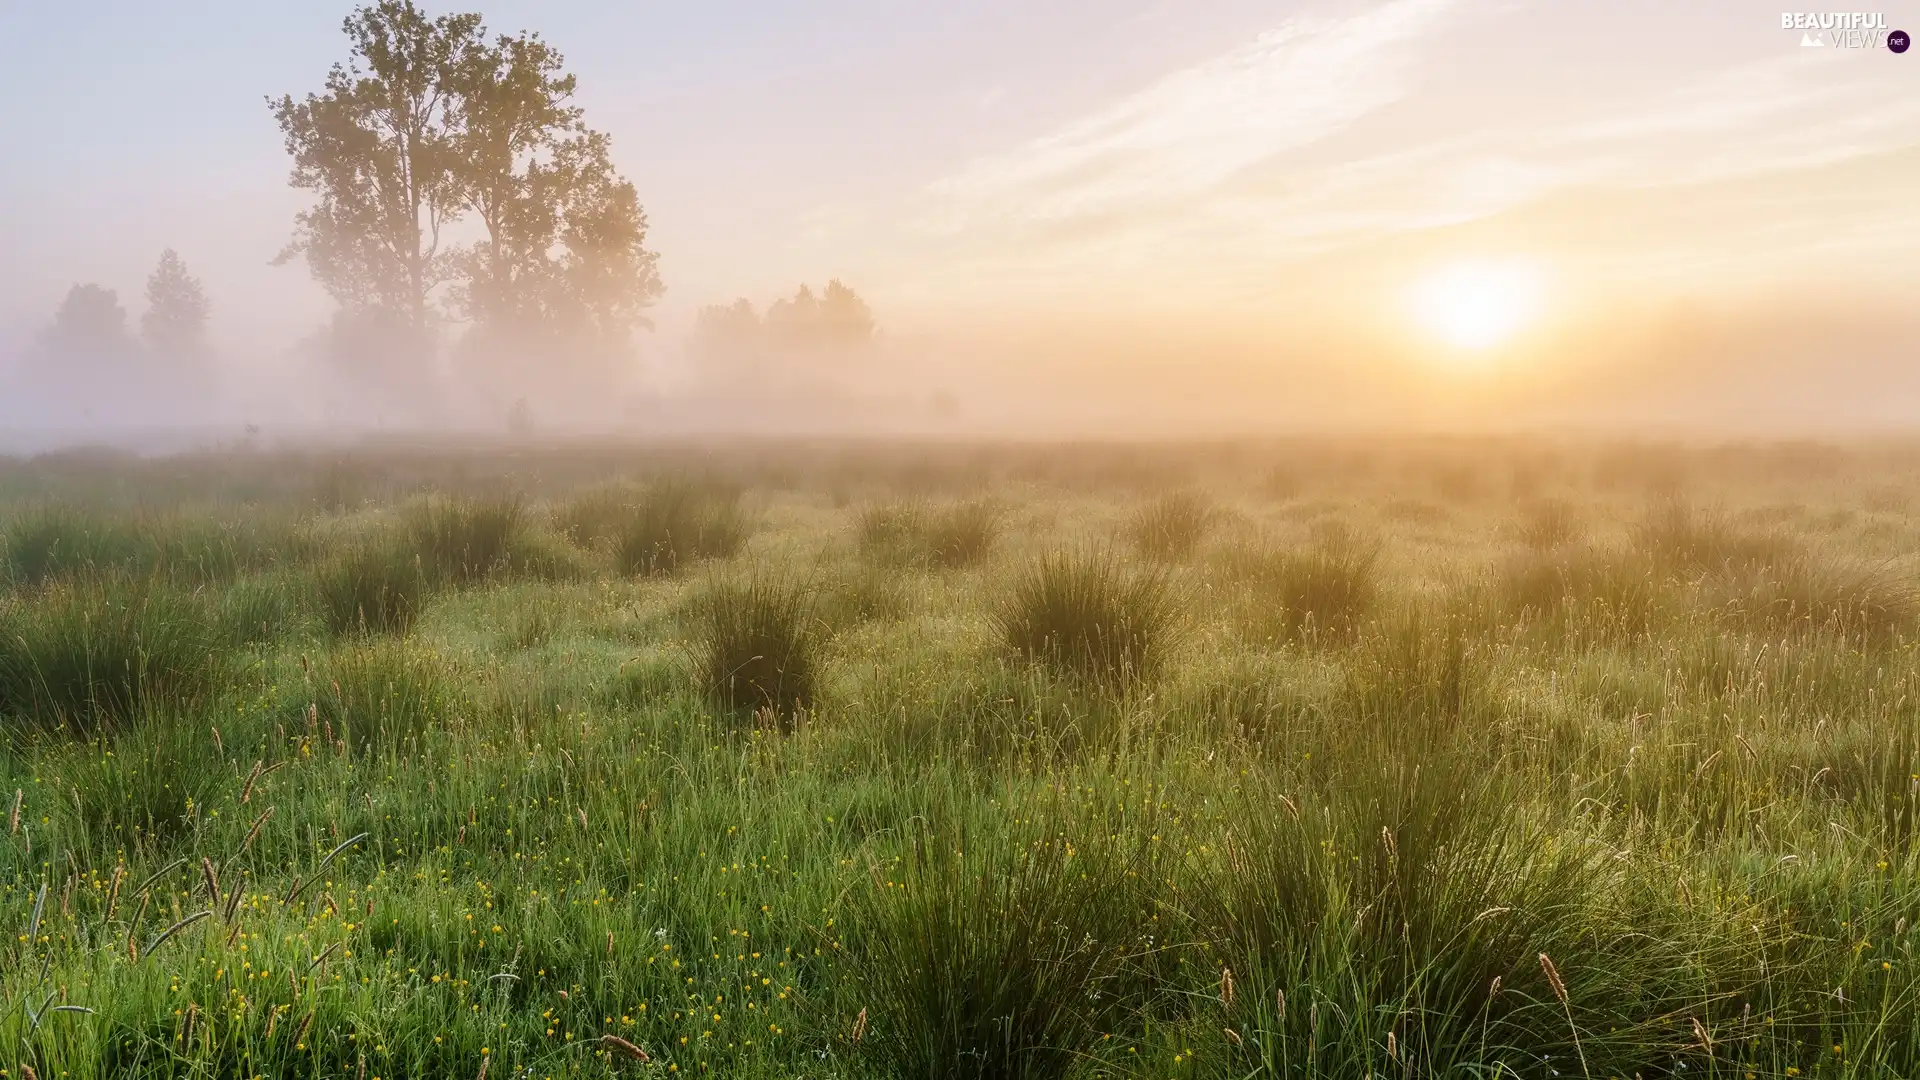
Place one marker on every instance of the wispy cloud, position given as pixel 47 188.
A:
pixel 1196 128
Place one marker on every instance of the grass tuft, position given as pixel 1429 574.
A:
pixel 753 648
pixel 1088 614
pixel 1322 593
pixel 461 541
pixel 917 534
pixel 1170 528
pixel 371 588
pixel 87 656
pixel 673 523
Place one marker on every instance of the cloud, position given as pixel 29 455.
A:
pixel 1195 129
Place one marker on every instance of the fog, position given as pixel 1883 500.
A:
pixel 1151 222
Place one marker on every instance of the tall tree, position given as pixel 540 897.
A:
pixel 565 258
pixel 377 146
pixel 430 121
pixel 175 322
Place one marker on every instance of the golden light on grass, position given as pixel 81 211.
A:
pixel 1471 306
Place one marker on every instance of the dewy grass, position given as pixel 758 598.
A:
pixel 557 821
pixel 373 587
pixel 1169 528
pixel 754 647
pixel 91 655
pixel 675 522
pixel 920 534
pixel 1090 614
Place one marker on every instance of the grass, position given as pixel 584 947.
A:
pixel 1088 614
pixel 461 791
pixel 917 534
pixel 86 657
pixel 673 523
pixel 373 587
pixel 1323 592
pixel 1170 528
pixel 754 648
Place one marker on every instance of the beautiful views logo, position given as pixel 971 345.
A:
pixel 1844 30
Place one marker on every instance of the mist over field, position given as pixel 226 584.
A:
pixel 1078 220
pixel 1090 540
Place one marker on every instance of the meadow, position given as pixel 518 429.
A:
pixel 1319 758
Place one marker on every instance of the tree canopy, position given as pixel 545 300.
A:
pixel 175 322
pixel 833 321
pixel 432 122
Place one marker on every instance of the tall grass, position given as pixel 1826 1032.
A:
pixel 1089 614
pixel 918 534
pixel 754 648
pixel 1323 592
pixel 370 588
pixel 89 656
pixel 997 954
pixel 1170 528
pixel 673 523
pixel 461 541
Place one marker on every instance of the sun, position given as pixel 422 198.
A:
pixel 1479 304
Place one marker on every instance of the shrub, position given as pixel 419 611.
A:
pixel 371 588
pixel 753 649
pixel 1323 592
pixel 463 540
pixel 89 655
pixel 675 522
pixel 1170 527
pixel 1087 614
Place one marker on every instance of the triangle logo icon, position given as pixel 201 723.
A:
pixel 1808 41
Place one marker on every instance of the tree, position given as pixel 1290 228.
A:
pixel 430 121
pixel 175 323
pixel 734 338
pixel 377 147
pixel 90 324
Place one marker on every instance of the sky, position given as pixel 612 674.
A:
pixel 1129 213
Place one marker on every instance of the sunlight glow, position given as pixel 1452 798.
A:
pixel 1476 305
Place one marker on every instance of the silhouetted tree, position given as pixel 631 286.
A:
pixel 428 121
pixel 732 338
pixel 377 147
pixel 90 324
pixel 175 323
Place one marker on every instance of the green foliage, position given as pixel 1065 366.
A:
pixel 999 954
pixel 380 697
pixel 753 647
pixel 1087 613
pixel 461 541
pixel 1678 762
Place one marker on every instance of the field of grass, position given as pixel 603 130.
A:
pixel 1385 758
